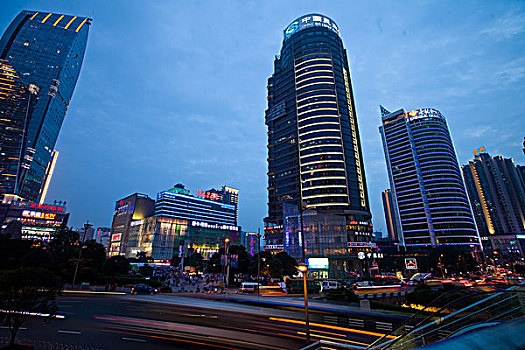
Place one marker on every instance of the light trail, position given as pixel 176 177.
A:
pixel 170 338
pixel 351 330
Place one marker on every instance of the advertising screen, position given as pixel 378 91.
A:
pixel 318 263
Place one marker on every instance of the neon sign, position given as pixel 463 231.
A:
pixel 214 226
pixel 116 237
pixel 40 206
pixel 208 195
pixel 38 215
pixel 310 21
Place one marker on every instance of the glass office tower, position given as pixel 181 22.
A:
pixel 314 149
pixel 425 179
pixel 43 52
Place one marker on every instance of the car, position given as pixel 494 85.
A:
pixel 249 287
pixel 143 289
pixel 327 285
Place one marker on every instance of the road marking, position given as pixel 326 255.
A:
pixel 21 328
pixel 69 332
pixel 134 339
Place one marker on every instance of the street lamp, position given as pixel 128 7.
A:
pixel 86 226
pixel 224 267
pixel 304 268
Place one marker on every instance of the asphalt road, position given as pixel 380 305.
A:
pixel 97 321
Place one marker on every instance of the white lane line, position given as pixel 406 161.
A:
pixel 21 328
pixel 69 332
pixel 134 339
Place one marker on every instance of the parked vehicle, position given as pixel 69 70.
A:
pixel 143 289
pixel 328 285
pixel 295 286
pixel 249 287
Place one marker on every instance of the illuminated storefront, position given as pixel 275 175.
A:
pixel 38 221
pixel 163 237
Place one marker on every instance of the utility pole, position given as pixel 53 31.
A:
pixel 304 269
pixel 258 261
pixel 86 226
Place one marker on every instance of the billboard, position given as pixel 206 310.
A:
pixel 318 263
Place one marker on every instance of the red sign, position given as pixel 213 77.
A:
pixel 40 206
pixel 208 195
pixel 116 237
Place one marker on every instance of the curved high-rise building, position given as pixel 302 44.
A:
pixel 43 53
pixel 428 189
pixel 314 149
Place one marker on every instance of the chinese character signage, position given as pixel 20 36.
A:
pixel 411 263
pixel 208 195
pixel 310 21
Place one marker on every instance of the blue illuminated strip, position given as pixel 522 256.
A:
pixel 425 244
pixel 435 145
pixel 441 170
pixel 405 210
pixel 450 208
pixel 425 154
pixel 411 190
pixel 391 142
pixel 431 137
pixel 443 198
pixel 455 229
pixel 414 181
pixel 410 200
pixel 444 179
pixel 439 161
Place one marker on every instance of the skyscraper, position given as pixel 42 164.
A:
pixel 314 149
pixel 391 215
pixel 40 56
pixel 425 179
pixel 497 195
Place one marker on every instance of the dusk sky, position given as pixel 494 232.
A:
pixel 175 91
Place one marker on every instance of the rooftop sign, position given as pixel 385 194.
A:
pixel 311 20
pixel 422 113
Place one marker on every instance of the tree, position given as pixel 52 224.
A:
pixel 117 265
pixel 194 260
pixel 214 264
pixel 243 259
pixel 288 263
pixel 276 268
pixel 25 291
pixel 264 259
pixel 175 261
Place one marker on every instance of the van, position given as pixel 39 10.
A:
pixel 249 287
pixel 327 285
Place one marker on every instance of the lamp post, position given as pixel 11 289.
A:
pixel 86 226
pixel 304 268
pixel 224 267
pixel 258 261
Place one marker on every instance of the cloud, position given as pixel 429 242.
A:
pixel 505 27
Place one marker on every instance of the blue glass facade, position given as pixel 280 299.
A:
pixel 427 187
pixel 46 51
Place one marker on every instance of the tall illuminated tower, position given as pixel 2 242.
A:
pixel 314 149
pixel 41 55
pixel 428 191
